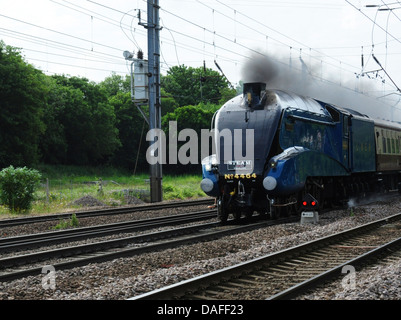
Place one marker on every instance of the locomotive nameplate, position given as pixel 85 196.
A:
pixel 239 165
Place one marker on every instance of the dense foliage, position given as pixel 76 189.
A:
pixel 22 95
pixel 190 86
pixel 73 121
pixel 189 117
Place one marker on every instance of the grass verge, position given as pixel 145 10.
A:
pixel 68 188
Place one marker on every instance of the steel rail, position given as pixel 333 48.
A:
pixel 108 254
pixel 301 287
pixel 94 213
pixel 98 246
pixel 180 290
pixel 47 238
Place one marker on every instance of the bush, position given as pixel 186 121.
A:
pixel 17 186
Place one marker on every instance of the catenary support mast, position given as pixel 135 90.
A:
pixel 149 93
pixel 154 94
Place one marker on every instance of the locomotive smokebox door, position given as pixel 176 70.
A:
pixel 310 207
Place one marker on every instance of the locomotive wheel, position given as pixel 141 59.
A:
pixel 222 213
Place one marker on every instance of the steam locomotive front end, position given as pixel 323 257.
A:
pixel 245 129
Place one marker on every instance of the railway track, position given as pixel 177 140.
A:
pixel 101 212
pixel 286 273
pixel 77 255
pixel 47 238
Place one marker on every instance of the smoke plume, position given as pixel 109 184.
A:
pixel 309 79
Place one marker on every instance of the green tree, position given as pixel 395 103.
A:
pixel 227 94
pixel 168 102
pixel 132 130
pixel 190 86
pixel 81 123
pixel 115 84
pixel 189 117
pixel 22 101
pixel 54 144
pixel 130 123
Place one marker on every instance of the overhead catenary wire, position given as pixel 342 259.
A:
pixel 274 30
pixel 387 34
pixel 207 49
pixel 340 66
pixel 90 13
pixel 117 24
pixel 103 58
pixel 377 61
pixel 129 38
pixel 60 33
pixel 214 33
pixel 104 18
pixel 324 55
pixel 65 46
pixel 244 55
pixel 375 23
pixel 75 66
pixel 58 45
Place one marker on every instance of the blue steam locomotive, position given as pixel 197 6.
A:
pixel 301 146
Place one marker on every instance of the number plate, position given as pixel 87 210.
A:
pixel 308 214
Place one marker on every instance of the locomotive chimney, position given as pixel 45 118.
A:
pixel 253 93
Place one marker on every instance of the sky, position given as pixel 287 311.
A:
pixel 324 40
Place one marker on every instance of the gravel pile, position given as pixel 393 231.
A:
pixel 88 201
pixel 127 277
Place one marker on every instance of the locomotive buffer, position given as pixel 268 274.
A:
pixel 310 207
